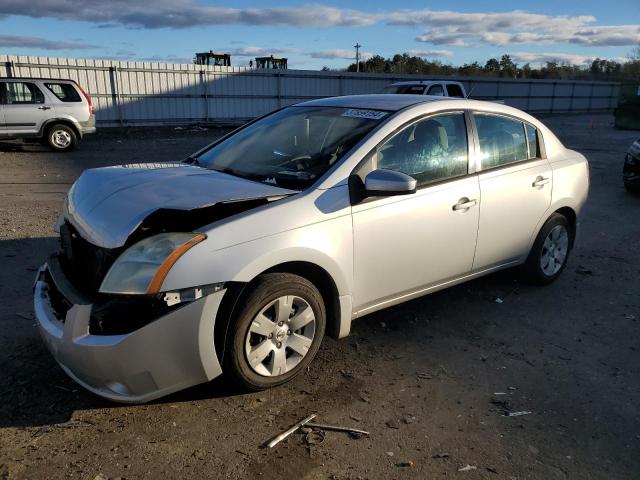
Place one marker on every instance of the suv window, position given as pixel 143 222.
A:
pixel 64 91
pixel 502 140
pixel 454 90
pixel 436 90
pixel 19 93
pixel 430 150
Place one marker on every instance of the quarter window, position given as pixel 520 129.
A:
pixel 64 91
pixel 20 93
pixel 532 141
pixel 430 150
pixel 436 90
pixel 454 90
pixel 502 140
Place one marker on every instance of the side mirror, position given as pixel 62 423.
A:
pixel 385 183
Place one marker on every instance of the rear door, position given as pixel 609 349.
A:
pixel 26 108
pixel 515 187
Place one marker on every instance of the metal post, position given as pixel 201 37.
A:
pixel 115 92
pixel 340 85
pixel 9 66
pixel 553 95
pixel 590 98
pixel 278 78
pixel 573 89
pixel 203 81
pixel 357 47
pixel 529 84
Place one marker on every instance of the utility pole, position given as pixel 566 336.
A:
pixel 357 47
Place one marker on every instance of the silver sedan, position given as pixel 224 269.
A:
pixel 242 257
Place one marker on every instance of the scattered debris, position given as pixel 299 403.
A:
pixel 499 393
pixel 467 468
pixel 280 437
pixel 314 432
pixel 405 464
pixel 72 424
pixel 389 454
pixel 314 437
pixel 499 300
pixel 333 428
pixel 408 419
pixel 179 128
pixel 392 424
pixel 383 324
pixel 492 470
pixel 441 455
pixel 583 271
pixel 101 476
pixel 424 376
pixel 364 397
pixel 518 414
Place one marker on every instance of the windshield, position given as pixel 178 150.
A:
pixel 405 89
pixel 292 148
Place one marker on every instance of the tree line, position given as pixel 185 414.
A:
pixel 599 69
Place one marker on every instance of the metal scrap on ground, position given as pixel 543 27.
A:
pixel 306 422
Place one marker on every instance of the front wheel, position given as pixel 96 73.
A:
pixel 277 331
pixel 550 251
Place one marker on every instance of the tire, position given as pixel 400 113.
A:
pixel 544 266
pixel 61 138
pixel 257 361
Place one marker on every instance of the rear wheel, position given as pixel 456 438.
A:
pixel 277 331
pixel 550 251
pixel 61 138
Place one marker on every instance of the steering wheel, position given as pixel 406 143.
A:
pixel 299 161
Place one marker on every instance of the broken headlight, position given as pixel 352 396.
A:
pixel 143 267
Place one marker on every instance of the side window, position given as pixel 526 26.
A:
pixel 430 150
pixel 532 141
pixel 454 90
pixel 64 91
pixel 21 93
pixel 436 90
pixel 502 140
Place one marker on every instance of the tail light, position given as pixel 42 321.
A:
pixel 87 97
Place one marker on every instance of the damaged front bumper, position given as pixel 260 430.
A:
pixel 171 353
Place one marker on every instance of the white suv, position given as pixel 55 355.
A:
pixel 58 112
pixel 434 88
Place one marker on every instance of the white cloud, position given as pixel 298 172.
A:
pixel 569 58
pixel 15 41
pixel 260 51
pixel 430 53
pixel 340 53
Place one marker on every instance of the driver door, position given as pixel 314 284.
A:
pixel 404 245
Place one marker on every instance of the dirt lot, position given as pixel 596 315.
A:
pixel 420 377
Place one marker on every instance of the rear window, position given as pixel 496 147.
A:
pixel 64 91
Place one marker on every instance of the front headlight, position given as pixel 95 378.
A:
pixel 143 267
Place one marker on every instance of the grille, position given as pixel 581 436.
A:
pixel 85 264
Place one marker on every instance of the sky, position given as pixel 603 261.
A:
pixel 321 33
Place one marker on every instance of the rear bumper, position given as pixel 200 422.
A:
pixel 169 354
pixel 89 126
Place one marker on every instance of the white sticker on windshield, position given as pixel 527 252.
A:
pixel 369 114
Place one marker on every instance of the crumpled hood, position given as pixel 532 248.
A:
pixel 107 204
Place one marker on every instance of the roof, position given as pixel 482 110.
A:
pixel 4 79
pixel 390 102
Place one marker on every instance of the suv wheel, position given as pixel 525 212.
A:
pixel 61 138
pixel 277 331
pixel 550 251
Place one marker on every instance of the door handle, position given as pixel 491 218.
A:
pixel 464 204
pixel 44 108
pixel 540 181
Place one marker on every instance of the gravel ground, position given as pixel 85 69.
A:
pixel 422 377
